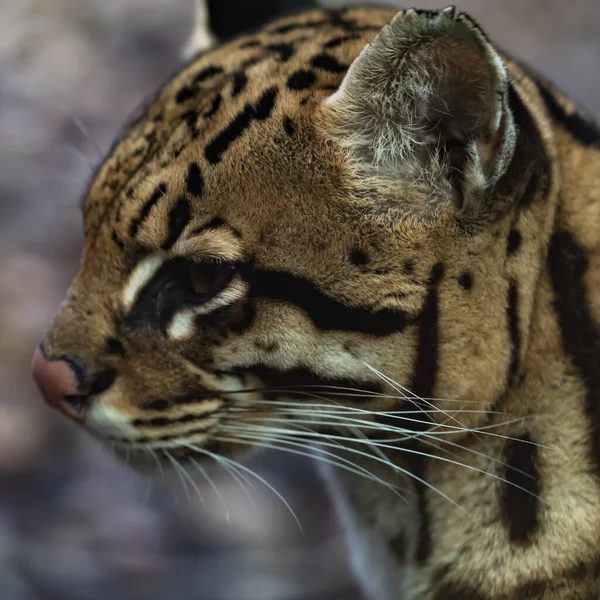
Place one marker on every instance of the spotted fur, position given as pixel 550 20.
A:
pixel 359 190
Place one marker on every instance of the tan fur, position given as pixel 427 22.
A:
pixel 295 200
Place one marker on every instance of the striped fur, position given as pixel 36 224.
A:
pixel 271 225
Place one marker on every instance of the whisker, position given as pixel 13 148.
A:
pixel 180 471
pixel 259 478
pixel 214 487
pixel 406 450
pixel 371 457
pixel 268 443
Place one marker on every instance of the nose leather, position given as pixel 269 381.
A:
pixel 58 383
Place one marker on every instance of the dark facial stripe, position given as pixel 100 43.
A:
pixel 179 217
pixel 512 315
pixel 520 508
pixel 423 385
pixel 214 107
pixel 568 263
pixel 194 181
pixel 158 193
pixel 584 131
pixel 305 381
pixel 426 364
pixel 167 421
pixel 324 312
pixel 259 112
pixel 513 243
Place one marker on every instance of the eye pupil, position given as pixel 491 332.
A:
pixel 209 278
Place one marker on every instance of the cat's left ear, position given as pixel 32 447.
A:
pixel 427 100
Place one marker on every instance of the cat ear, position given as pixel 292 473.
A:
pixel 427 101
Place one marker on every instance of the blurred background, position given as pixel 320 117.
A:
pixel 74 525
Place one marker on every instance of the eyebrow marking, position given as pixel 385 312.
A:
pixel 142 274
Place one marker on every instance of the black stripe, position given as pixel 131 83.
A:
pixel 160 191
pixel 260 111
pixel 520 508
pixel 325 313
pixel 304 381
pixel 568 263
pixel 179 217
pixel 583 130
pixel 426 364
pixel 207 73
pixel 194 181
pixel 512 315
pixel 167 421
pixel 214 223
pixel 239 83
pixel 423 385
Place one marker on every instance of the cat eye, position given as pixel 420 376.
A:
pixel 208 278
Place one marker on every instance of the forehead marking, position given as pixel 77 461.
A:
pixel 257 112
pixel 142 274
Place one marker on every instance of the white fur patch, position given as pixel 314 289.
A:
pixel 140 277
pixel 182 325
pixel 109 422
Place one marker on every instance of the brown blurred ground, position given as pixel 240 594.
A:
pixel 73 524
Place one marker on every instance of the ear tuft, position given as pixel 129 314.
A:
pixel 426 100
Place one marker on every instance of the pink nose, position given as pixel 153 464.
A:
pixel 58 383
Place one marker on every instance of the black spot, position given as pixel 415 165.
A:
pixel 289 127
pixel 325 313
pixel 158 405
pixel 285 51
pixel 185 93
pixel 260 111
pixel 158 193
pixel 301 80
pixel 513 242
pixel 206 73
pixel 583 130
pixel 520 501
pixel 194 181
pixel 466 280
pixel 114 347
pixel 358 258
pixel 239 83
pixel 568 264
pixel 512 316
pixel 214 107
pixel 338 41
pixel 328 63
pixel 457 591
pixel 179 217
